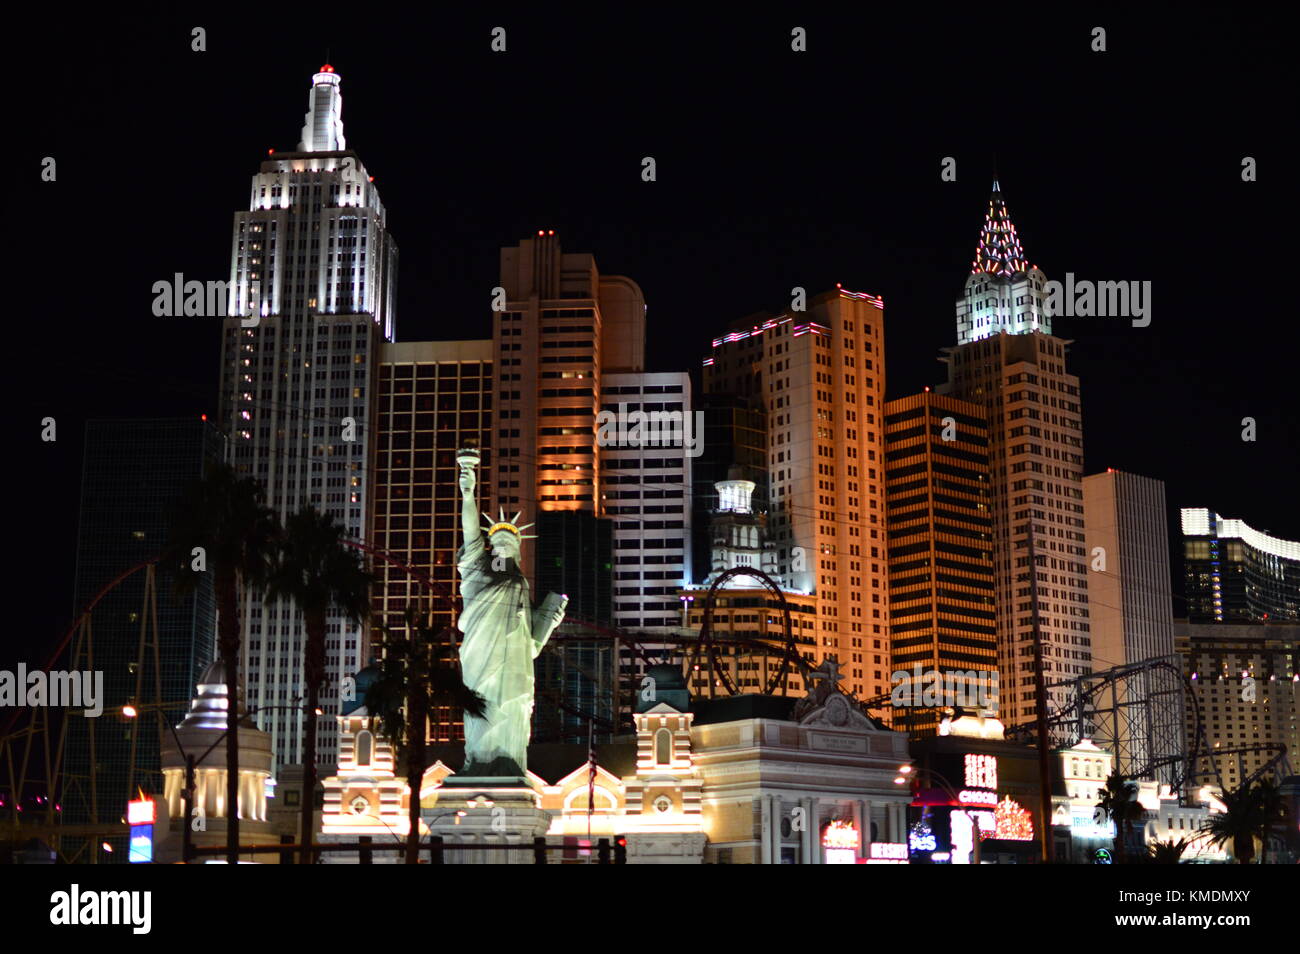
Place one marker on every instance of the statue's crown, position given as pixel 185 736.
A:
pixel 512 525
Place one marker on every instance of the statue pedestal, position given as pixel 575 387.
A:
pixel 498 811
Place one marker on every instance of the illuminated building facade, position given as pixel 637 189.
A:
pixel 1008 363
pixel 744 609
pixel 646 492
pixel 819 375
pixel 965 779
pixel 1236 573
pixel 1247 683
pixel 433 397
pixel 742 780
pixel 1004 293
pixel 941 584
pixel 312 262
pixel 788 782
pixel 735 446
pixel 561 327
pixel 198 733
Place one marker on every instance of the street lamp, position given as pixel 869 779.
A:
pixel 906 770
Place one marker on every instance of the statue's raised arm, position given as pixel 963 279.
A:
pixel 468 459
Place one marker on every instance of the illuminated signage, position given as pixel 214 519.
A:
pixel 1013 822
pixel 840 834
pixel 969 797
pixel 1084 824
pixel 887 853
pixel 841 841
pixel 141 848
pixel 981 771
pixel 140 812
pixel 921 839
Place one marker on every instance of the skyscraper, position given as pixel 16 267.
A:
pixel 1007 361
pixel 562 327
pixel 820 376
pixel 1235 573
pixel 434 397
pixel 133 470
pixel 1129 591
pixel 312 281
pixel 1246 677
pixel 941 587
pixel 1131 603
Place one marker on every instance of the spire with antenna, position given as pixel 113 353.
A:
pixel 999 252
pixel 322 129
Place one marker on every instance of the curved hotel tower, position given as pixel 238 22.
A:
pixel 1236 573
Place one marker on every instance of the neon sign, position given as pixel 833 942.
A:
pixel 841 840
pixel 840 834
pixel 887 853
pixel 981 771
pixel 140 812
pixel 1013 823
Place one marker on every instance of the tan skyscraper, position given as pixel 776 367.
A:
pixel 1012 365
pixel 433 398
pixel 821 376
pixel 941 585
pixel 563 325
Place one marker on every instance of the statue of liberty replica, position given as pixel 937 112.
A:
pixel 503 634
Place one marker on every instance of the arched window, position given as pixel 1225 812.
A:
pixel 364 743
pixel 663 747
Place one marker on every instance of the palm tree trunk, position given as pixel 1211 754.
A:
pixel 414 770
pixel 313 674
pixel 228 639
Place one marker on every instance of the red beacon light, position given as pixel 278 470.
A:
pixel 327 68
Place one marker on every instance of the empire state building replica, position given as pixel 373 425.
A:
pixel 312 281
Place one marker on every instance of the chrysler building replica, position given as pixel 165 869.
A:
pixel 1007 360
pixel 312 277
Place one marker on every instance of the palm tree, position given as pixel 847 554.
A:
pixel 416 675
pixel 1167 852
pixel 1119 804
pixel 316 571
pixel 1238 824
pixel 224 514
pixel 1252 811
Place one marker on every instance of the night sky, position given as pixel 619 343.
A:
pixel 775 169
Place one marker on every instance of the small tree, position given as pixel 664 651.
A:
pixel 316 571
pixel 417 674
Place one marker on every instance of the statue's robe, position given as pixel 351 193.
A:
pixel 496 661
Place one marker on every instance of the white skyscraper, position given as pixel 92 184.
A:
pixel 312 262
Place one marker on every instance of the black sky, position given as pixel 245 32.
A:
pixel 775 169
